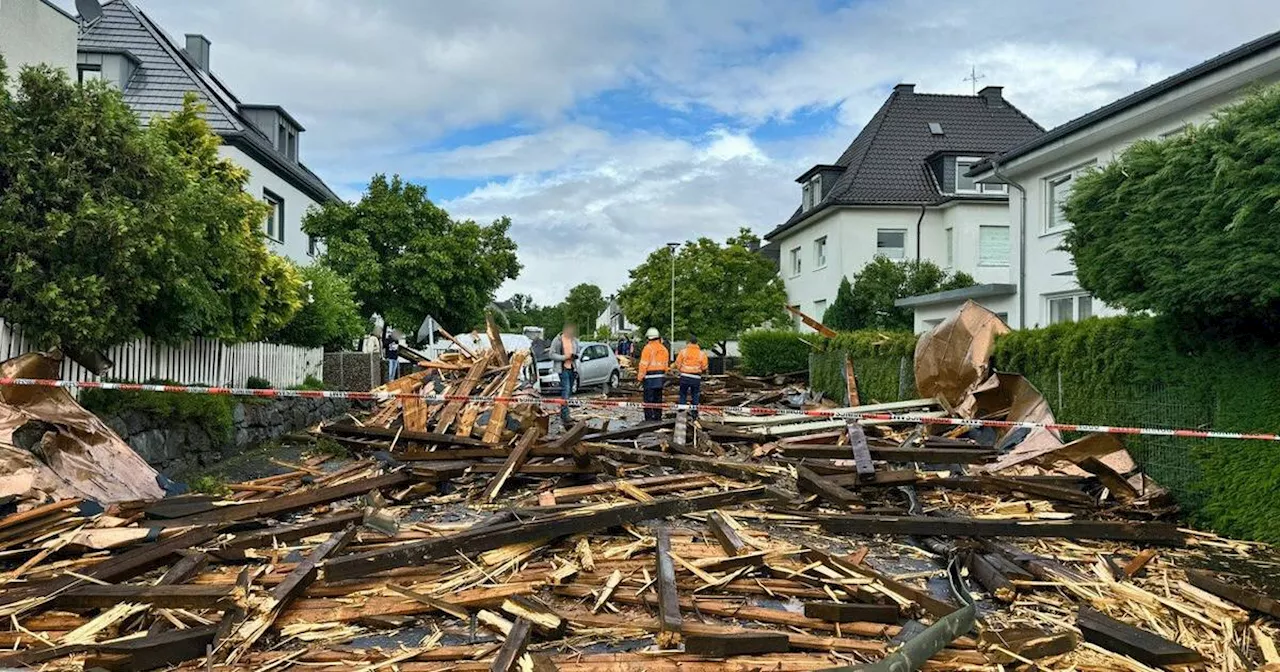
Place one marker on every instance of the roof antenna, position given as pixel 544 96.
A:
pixel 974 77
pixel 90 11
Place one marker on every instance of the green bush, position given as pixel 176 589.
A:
pixel 329 319
pixel 310 383
pixel 214 413
pixel 767 352
pixel 1140 370
pixel 882 362
pixel 256 383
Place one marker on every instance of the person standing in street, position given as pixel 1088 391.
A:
pixel 391 351
pixel 652 370
pixel 691 363
pixel 564 360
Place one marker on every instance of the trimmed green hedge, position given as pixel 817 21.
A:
pixel 882 363
pixel 1139 370
pixel 768 352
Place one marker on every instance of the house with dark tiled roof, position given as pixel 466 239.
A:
pixel 901 190
pixel 128 49
pixel 1041 171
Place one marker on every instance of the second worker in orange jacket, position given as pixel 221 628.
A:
pixel 652 370
pixel 691 363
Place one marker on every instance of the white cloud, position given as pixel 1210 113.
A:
pixel 382 85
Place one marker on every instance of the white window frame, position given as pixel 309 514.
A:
pixel 951 247
pixel 903 255
pixel 1082 306
pixel 274 226
pixel 90 72
pixel 972 161
pixel 996 263
pixel 1051 206
pixel 819 307
pixel 806 197
pixel 796 262
pixel 820 253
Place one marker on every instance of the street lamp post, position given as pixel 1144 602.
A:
pixel 671 335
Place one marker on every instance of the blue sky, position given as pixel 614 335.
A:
pixel 605 128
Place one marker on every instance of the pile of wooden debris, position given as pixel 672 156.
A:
pixel 467 536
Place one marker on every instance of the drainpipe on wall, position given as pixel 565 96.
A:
pixel 919 221
pixel 1022 243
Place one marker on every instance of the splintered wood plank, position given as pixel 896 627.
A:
pixel 514 461
pixel 452 339
pixel 495 340
pixel 498 416
pixel 812 483
pixel 861 454
pixel 992 579
pixel 1242 596
pixel 736 644
pixel 849 612
pixel 668 599
pixel 1139 561
pixel 1141 645
pixel 463 388
pixel 725 534
pixel 850 382
pixel 1149 532
pixel 514 647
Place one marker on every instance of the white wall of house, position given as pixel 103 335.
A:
pixel 34 31
pixel 851 238
pixel 1051 291
pixel 294 244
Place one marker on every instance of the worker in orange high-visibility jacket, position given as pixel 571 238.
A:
pixel 652 372
pixel 691 363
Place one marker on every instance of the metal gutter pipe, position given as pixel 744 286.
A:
pixel 919 221
pixel 1022 243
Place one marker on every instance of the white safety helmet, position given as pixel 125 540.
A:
pixel 652 334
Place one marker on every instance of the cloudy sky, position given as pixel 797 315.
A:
pixel 605 128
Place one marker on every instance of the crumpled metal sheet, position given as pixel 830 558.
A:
pixel 952 359
pixel 73 455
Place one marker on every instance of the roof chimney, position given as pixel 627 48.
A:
pixel 198 50
pixel 904 89
pixel 993 95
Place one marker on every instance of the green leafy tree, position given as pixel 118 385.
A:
pixel 583 305
pixel 1187 226
pixel 721 290
pixel 329 318
pixel 883 281
pixel 405 258
pixel 842 315
pixel 110 231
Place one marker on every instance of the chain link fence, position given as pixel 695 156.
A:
pixel 1170 461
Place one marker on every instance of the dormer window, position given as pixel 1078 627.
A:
pixel 812 192
pixel 968 185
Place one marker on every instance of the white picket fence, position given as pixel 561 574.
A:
pixel 201 361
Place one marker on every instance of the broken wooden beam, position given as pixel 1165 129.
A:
pixel 896 454
pixel 668 599
pixel 990 577
pixel 543 617
pixel 162 596
pixel 725 535
pixel 1124 639
pixel 388 434
pixel 850 612
pixel 736 644
pixel 289 503
pixel 514 647
pixel 812 483
pixel 1241 596
pixel 631 432
pixel 152 652
pixel 689 463
pixel 1147 532
pixel 498 416
pixel 554 525
pixel 861 454
pixel 514 461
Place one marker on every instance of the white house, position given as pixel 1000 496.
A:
pixel 613 318
pixel 1042 170
pixel 34 32
pixel 126 48
pixel 901 190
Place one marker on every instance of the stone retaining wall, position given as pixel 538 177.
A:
pixel 174 447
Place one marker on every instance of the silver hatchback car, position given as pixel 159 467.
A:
pixel 596 366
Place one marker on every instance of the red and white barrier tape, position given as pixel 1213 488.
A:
pixel 754 411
